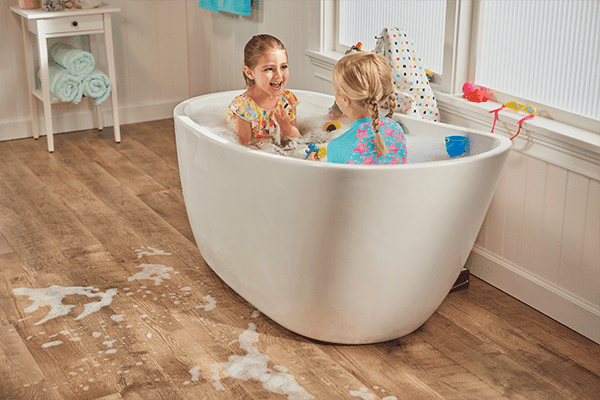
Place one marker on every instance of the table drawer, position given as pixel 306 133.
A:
pixel 70 25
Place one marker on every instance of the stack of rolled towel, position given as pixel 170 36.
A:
pixel 72 75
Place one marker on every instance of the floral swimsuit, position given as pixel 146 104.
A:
pixel 263 122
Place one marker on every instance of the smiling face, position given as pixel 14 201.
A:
pixel 270 74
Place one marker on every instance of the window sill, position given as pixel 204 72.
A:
pixel 325 60
pixel 540 137
pixel 555 142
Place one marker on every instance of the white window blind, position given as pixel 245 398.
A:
pixel 544 50
pixel 423 21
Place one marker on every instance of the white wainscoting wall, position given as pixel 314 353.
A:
pixel 540 241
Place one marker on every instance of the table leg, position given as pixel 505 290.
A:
pixel 30 76
pixel 45 81
pixel 112 76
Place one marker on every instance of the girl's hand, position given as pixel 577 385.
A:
pixel 286 124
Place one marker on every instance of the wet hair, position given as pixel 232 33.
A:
pixel 366 79
pixel 255 48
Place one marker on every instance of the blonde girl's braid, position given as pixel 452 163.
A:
pixel 391 104
pixel 380 147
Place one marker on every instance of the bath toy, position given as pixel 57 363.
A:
pixel 476 93
pixel 531 112
pixel 321 151
pixel 429 75
pixel 356 48
pixel 476 96
pixel 331 126
pixel 335 112
pixel 456 145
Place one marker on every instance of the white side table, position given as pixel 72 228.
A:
pixel 50 24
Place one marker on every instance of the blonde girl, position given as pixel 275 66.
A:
pixel 266 108
pixel 363 83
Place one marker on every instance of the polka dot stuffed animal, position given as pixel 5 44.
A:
pixel 413 93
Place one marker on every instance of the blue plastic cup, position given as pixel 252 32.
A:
pixel 456 145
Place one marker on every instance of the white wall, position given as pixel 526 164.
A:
pixel 166 51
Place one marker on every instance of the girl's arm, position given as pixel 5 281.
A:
pixel 244 130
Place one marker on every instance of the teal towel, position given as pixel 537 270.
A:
pixel 239 7
pixel 76 62
pixel 64 86
pixel 96 86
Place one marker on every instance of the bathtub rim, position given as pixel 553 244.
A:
pixel 179 114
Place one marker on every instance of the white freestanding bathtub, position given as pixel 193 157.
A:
pixel 338 253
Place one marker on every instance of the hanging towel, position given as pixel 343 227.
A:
pixel 63 86
pixel 414 96
pixel 96 86
pixel 239 7
pixel 76 62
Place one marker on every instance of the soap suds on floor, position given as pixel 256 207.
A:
pixel 155 272
pixel 212 303
pixel 195 372
pixel 254 366
pixel 117 317
pixel 155 252
pixel 54 295
pixel 50 344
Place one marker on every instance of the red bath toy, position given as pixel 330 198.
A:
pixel 476 96
pixel 476 93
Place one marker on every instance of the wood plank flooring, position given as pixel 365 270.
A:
pixel 104 295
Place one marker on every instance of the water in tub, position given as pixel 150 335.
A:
pixel 311 119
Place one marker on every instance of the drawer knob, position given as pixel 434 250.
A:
pixel 75 23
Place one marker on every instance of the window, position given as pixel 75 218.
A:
pixel 543 52
pixel 362 21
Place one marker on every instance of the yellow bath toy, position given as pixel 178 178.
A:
pixel 322 152
pixel 331 126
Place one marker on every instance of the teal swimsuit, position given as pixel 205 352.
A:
pixel 357 144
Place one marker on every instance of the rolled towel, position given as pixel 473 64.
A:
pixel 96 86
pixel 64 86
pixel 76 62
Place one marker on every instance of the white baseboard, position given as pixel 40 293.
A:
pixel 78 120
pixel 566 308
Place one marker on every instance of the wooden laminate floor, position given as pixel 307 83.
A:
pixel 104 295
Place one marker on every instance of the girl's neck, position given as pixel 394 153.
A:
pixel 357 113
pixel 262 99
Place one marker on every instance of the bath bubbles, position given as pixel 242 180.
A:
pixel 311 119
pixel 310 124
